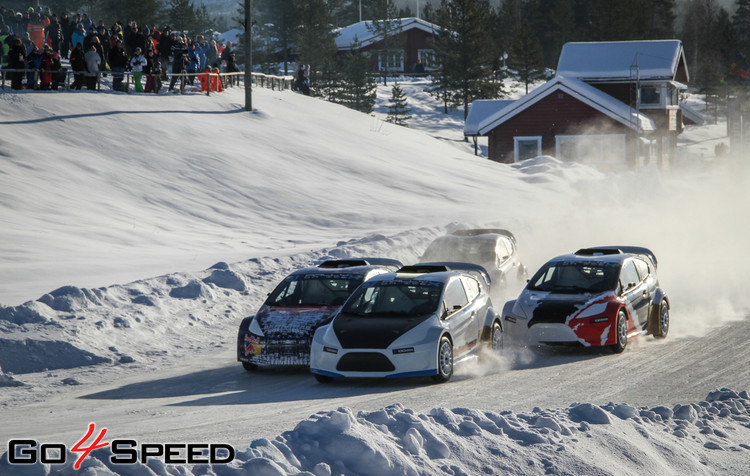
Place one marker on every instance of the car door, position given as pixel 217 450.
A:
pixel 460 317
pixel 635 292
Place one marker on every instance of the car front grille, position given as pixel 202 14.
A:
pixel 364 362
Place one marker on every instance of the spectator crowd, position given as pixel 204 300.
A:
pixel 37 41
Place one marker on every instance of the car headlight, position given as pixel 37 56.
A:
pixel 595 310
pixel 254 328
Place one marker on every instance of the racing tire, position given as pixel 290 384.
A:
pixel 249 367
pixel 323 378
pixel 444 360
pixel 621 332
pixel 661 329
pixel 496 338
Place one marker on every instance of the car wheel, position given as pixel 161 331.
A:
pixel 444 360
pixel 496 338
pixel 249 367
pixel 663 328
pixel 323 378
pixel 621 332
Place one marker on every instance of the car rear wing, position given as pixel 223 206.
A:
pixel 438 266
pixel 610 250
pixel 485 231
pixel 348 263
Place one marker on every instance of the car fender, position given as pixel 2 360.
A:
pixel 241 331
pixel 508 308
pixel 489 318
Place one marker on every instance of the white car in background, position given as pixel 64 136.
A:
pixel 492 248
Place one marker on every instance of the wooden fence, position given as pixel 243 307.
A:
pixel 227 79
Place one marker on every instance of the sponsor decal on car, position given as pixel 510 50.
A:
pixel 252 345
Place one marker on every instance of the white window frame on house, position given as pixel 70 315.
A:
pixel 518 139
pixel 661 90
pixel 605 143
pixel 395 62
pixel 429 59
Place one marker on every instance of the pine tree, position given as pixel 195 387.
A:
pixel 315 40
pixel 281 15
pixel 741 25
pixel 525 56
pixel 355 86
pixel 386 27
pixel 144 12
pixel 463 48
pixel 398 109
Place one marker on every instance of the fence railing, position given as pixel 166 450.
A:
pixel 227 79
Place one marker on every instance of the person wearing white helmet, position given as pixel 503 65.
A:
pixel 137 63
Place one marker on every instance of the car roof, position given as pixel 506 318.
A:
pixel 484 231
pixel 607 254
pixel 357 266
pixel 438 271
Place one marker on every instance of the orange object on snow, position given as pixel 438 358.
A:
pixel 210 80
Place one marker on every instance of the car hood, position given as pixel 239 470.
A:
pixel 552 308
pixel 293 321
pixel 373 332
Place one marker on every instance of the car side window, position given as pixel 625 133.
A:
pixel 471 286
pixel 629 274
pixel 643 268
pixel 503 250
pixel 455 296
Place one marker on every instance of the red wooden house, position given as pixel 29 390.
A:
pixel 610 104
pixel 412 44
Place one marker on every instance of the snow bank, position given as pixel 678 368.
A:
pixel 166 317
pixel 711 436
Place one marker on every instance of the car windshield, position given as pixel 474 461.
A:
pixel 396 298
pixel 575 277
pixel 314 290
pixel 461 250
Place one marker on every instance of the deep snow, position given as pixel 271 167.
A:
pixel 198 208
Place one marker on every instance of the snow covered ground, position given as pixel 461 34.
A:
pixel 138 230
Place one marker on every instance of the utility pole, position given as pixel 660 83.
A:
pixel 248 45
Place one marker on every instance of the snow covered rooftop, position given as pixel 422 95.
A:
pixel 655 59
pixel 585 93
pixel 360 31
pixel 481 110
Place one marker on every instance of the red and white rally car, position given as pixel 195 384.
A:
pixel 600 296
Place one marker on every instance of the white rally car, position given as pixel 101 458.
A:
pixel 416 322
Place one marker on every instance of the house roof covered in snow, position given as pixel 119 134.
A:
pixel 360 31
pixel 613 60
pixel 578 89
pixel 480 110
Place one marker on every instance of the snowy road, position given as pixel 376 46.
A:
pixel 215 398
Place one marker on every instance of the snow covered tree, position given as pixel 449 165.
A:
pixel 525 58
pixel 463 48
pixel 398 109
